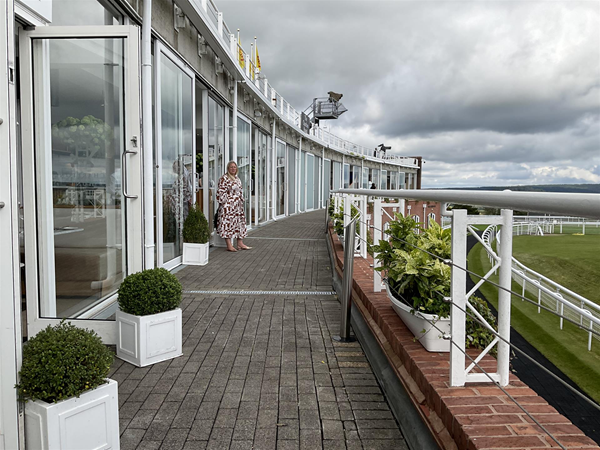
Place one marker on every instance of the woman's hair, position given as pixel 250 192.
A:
pixel 230 163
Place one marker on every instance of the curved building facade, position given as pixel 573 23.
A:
pixel 110 129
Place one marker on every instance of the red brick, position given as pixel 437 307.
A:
pixel 467 410
pixel 571 441
pixel 488 430
pixel 547 418
pixel 533 409
pixel 465 401
pixel 521 442
pixel 494 419
pixel 457 392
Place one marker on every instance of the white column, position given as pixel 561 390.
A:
pixel 235 119
pixel 504 296
pixel 273 183
pixel 376 238
pixel 363 226
pixel 458 296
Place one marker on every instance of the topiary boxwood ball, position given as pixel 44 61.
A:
pixel 148 292
pixel 62 362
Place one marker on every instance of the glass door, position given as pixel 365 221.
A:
pixel 310 181
pixel 261 175
pixel 291 179
pixel 216 162
pixel 82 170
pixel 174 103
pixel 280 174
pixel 302 181
pixel 244 165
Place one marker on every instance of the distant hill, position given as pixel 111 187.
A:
pixel 573 188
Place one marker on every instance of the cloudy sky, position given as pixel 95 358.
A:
pixel 488 92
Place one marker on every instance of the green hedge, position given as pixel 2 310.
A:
pixel 148 292
pixel 62 362
pixel 195 227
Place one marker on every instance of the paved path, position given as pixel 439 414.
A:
pixel 259 369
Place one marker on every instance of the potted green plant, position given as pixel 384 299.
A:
pixel 149 317
pixel 418 281
pixel 195 237
pixel 69 401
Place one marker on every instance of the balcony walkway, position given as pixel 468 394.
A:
pixel 259 368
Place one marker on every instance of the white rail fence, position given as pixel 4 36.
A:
pixel 561 300
pixel 548 293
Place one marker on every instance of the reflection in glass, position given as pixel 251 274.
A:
pixel 327 180
pixel 291 180
pixel 262 175
pixel 347 180
pixel 216 164
pixel 280 178
pixel 176 148
pixel 365 178
pixel 243 162
pixel 302 180
pixel 337 175
pixel 317 181
pixel 376 178
pixel 79 115
pixel 310 181
pixel 384 179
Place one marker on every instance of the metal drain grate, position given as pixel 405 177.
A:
pixel 263 292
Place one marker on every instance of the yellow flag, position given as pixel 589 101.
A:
pixel 241 57
pixel 257 63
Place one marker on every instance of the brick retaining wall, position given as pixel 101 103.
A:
pixel 478 416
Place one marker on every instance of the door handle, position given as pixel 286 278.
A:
pixel 124 173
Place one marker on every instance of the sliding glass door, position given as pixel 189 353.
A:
pixel 174 145
pixel 81 172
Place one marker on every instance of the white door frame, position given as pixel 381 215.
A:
pixel 160 48
pixel 10 279
pixel 275 181
pixel 132 177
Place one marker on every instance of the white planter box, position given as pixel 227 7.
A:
pixel 195 254
pixel 88 422
pixel 420 325
pixel 145 340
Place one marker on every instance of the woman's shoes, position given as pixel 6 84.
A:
pixel 231 250
pixel 245 248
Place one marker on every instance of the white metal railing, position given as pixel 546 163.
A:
pixel 549 294
pixel 570 204
pixel 290 114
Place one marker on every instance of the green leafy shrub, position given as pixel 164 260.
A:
pixel 150 291
pixel 195 227
pixel 416 274
pixel 62 362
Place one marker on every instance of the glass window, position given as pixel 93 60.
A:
pixel 176 149
pixel 401 180
pixel 384 179
pixel 280 178
pixel 302 181
pixel 79 142
pixel 317 181
pixel 310 181
pixel 375 178
pixel 327 181
pixel 243 162
pixel 346 176
pixel 83 12
pixel 336 169
pixel 365 178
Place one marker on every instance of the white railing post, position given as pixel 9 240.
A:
pixel 376 238
pixel 204 4
pixel 363 226
pixel 459 298
pixel 504 297
pixel 220 23
pixel 233 45
pixel 347 210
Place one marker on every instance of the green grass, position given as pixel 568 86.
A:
pixel 566 348
pixel 572 261
pixel 572 229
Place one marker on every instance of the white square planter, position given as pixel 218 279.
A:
pixel 195 254
pixel 145 340
pixel 420 325
pixel 88 422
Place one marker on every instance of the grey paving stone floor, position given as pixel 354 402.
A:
pixel 259 371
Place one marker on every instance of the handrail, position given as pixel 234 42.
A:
pixel 583 205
